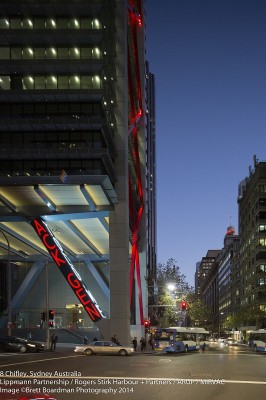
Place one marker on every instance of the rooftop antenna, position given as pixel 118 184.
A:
pixel 255 160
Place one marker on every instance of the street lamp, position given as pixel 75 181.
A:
pixel 9 311
pixel 171 287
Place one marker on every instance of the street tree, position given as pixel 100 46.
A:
pixel 166 311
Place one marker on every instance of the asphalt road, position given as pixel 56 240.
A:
pixel 220 372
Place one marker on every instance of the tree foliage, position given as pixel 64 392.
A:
pixel 166 310
pixel 198 313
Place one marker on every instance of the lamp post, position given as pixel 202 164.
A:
pixel 9 310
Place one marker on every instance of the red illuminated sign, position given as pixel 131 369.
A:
pixel 68 270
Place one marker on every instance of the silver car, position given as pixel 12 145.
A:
pixel 104 347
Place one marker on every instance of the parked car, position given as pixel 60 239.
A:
pixel 13 343
pixel 104 347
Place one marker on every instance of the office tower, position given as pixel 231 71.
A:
pixel 73 153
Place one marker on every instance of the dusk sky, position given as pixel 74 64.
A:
pixel 209 62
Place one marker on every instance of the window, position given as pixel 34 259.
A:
pixel 15 23
pixel 262 242
pixel 27 53
pixel 51 52
pixel 85 53
pixel 28 82
pixel 62 23
pixel 74 23
pixel 85 23
pixel 74 53
pixel 27 23
pixel 4 53
pixel 4 23
pixel 74 82
pixel 39 23
pixel 86 82
pixel 39 52
pixel 62 82
pixel 40 82
pixel 62 53
pixel 5 82
pixel 50 23
pixel 16 53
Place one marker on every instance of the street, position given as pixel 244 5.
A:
pixel 220 372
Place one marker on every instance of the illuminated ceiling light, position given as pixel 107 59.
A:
pixel 76 22
pixel 76 50
pixel 53 51
pixel 112 102
pixel 30 51
pixel 7 22
pixel 30 22
pixel 76 78
pixel 97 79
pixel 53 22
pixel 31 78
pixel 104 78
pixel 96 23
pixel 105 103
pixel 53 78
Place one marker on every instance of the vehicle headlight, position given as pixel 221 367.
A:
pixel 31 345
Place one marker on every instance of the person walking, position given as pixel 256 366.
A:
pixel 54 339
pixel 115 340
pixel 142 344
pixel 203 347
pixel 135 343
pixel 151 342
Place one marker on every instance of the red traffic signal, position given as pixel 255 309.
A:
pixel 183 305
pixel 51 314
pixel 146 325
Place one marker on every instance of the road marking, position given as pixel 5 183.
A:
pixel 139 365
pixel 115 372
pixel 37 361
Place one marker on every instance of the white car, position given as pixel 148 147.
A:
pixel 104 347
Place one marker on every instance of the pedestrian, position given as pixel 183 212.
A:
pixel 135 343
pixel 151 342
pixel 115 340
pixel 85 340
pixel 203 347
pixel 142 344
pixel 54 339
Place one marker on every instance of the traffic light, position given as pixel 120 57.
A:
pixel 146 325
pixel 183 305
pixel 51 318
pixel 43 316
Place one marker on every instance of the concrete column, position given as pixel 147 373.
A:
pixel 119 322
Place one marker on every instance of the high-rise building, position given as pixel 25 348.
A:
pixel 225 272
pixel 77 119
pixel 249 276
pixel 204 267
